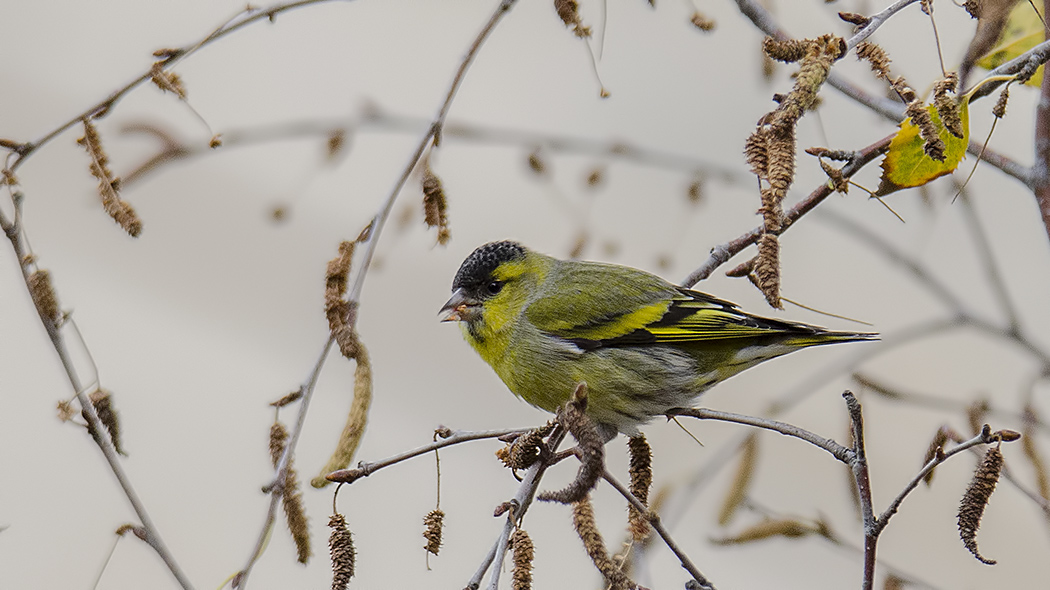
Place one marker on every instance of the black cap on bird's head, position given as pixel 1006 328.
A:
pixel 474 281
pixel 478 267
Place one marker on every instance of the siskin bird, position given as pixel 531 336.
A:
pixel 641 344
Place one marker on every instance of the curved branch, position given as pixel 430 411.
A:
pixel 250 16
pixel 838 451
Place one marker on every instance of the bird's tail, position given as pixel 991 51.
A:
pixel 819 336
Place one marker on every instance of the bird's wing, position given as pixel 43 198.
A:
pixel 698 317
pixel 585 301
pixel 634 311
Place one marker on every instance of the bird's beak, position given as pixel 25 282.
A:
pixel 459 308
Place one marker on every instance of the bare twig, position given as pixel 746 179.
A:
pixel 475 581
pixel 984 437
pixel 658 526
pixel 432 136
pixel 719 458
pixel 364 469
pixel 873 526
pixel 243 19
pixel 722 253
pixel 281 471
pixel 375 229
pixel 838 451
pixel 14 234
pixel 172 150
pixel 877 20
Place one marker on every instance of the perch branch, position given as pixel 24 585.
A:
pixel 838 451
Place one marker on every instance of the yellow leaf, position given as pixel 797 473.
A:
pixel 906 164
pixel 1022 32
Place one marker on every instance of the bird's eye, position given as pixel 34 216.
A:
pixel 493 287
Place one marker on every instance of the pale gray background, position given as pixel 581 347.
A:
pixel 216 310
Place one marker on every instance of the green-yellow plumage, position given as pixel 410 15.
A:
pixel 642 345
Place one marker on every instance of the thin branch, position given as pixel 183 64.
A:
pixel 654 520
pixel 364 469
pixel 275 487
pixel 269 14
pixel 719 458
pixel 722 253
pixel 475 581
pixel 172 150
pixel 764 20
pixel 354 298
pixel 433 134
pixel 875 21
pixel 838 451
pixel 982 438
pixel 1027 61
pixel 14 234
